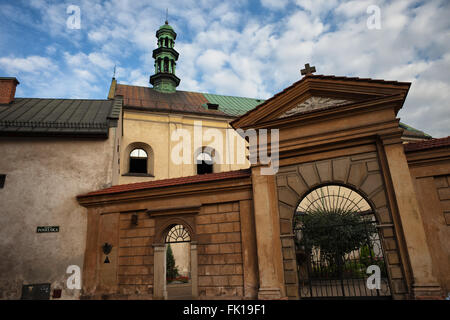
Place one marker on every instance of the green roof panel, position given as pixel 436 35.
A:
pixel 233 106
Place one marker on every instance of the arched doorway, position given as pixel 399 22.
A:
pixel 178 263
pixel 171 231
pixel 336 240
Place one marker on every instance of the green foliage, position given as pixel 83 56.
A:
pixel 172 270
pixel 336 232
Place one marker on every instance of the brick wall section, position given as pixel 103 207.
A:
pixel 220 270
pixel 135 271
pixel 443 188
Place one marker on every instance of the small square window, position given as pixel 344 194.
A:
pixel 2 180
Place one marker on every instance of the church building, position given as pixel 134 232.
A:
pixel 97 184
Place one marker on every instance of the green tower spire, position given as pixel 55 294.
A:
pixel 164 79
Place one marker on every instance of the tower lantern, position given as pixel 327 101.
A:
pixel 164 79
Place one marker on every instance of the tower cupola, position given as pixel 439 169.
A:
pixel 164 79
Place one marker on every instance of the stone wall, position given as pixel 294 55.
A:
pixel 433 193
pixel 360 172
pixel 443 189
pixel 135 265
pixel 220 271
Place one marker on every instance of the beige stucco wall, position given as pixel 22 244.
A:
pixel 155 129
pixel 44 176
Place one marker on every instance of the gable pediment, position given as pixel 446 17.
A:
pixel 317 92
pixel 314 103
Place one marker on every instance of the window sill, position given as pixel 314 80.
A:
pixel 131 174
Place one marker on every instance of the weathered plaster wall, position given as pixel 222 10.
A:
pixel 155 130
pixel 44 176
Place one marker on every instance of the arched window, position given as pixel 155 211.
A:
pixel 166 64
pixel 138 161
pixel 204 163
pixel 178 233
pixel 159 65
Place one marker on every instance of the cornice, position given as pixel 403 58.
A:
pixel 207 187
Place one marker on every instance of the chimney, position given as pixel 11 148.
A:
pixel 7 89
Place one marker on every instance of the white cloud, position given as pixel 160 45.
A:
pixel 275 4
pixel 212 60
pixel 226 48
pixel 32 64
pixel 317 7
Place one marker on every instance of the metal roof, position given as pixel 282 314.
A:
pixel 234 106
pixel 146 98
pixel 413 132
pixel 34 116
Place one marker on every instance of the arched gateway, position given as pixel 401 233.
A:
pixel 336 243
pixel 178 263
pixel 347 191
pixel 175 258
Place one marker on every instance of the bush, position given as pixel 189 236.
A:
pixel 336 233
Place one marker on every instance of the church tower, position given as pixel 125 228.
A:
pixel 164 79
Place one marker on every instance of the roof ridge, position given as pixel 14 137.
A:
pixel 32 98
pixel 54 124
pixel 427 144
pixel 216 94
pixel 355 78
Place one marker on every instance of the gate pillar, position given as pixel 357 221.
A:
pixel 267 225
pixel 159 289
pixel 424 282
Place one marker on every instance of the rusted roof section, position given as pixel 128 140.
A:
pixel 180 101
pixel 171 182
pixel 427 144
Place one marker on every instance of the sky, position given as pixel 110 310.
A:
pixel 249 48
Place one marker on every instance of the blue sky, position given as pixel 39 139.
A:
pixel 246 48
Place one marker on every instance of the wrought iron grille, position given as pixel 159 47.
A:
pixel 178 234
pixel 336 240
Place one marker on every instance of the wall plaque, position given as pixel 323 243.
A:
pixel 46 229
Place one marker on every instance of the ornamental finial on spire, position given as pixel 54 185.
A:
pixel 165 55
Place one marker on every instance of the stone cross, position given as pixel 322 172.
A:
pixel 308 70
